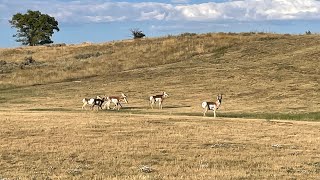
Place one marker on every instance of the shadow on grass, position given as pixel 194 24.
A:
pixel 174 107
pixel 136 110
pixel 3 100
pixel 16 87
pixel 312 116
pixel 50 109
pixel 132 107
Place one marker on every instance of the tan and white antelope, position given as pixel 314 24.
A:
pixel 116 101
pixel 212 105
pixel 98 101
pixel 158 98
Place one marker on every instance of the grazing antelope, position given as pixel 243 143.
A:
pixel 116 101
pixel 212 105
pixel 98 101
pixel 158 98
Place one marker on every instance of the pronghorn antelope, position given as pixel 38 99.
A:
pixel 98 101
pixel 212 105
pixel 158 98
pixel 116 101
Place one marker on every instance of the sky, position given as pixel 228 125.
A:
pixel 99 21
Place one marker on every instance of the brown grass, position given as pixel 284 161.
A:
pixel 107 145
pixel 45 134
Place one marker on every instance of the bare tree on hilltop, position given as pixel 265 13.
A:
pixel 137 34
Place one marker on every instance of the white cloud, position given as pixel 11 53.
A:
pixel 104 18
pixel 200 12
pixel 107 11
pixel 152 15
pixel 180 1
pixel 187 26
pixel 252 10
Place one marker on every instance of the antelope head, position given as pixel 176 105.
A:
pixel 219 97
pixel 99 97
pixel 124 97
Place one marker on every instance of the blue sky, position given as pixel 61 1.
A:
pixel 106 20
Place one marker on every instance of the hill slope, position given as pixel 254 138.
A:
pixel 257 73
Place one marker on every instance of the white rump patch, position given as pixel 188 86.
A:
pixel 91 101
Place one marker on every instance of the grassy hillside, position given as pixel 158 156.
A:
pixel 257 73
pixel 44 133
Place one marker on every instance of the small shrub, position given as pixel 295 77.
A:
pixel 186 34
pixel 89 55
pixel 7 67
pixel 248 33
pixel 28 60
pixel 137 34
pixel 268 38
pixel 56 45
pixel 261 33
pixel 3 62
pixel 232 33
pixel 170 36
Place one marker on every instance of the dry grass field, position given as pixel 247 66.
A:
pixel 103 145
pixel 267 126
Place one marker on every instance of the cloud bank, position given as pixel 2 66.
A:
pixel 111 11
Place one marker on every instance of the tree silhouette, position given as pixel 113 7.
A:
pixel 137 34
pixel 34 28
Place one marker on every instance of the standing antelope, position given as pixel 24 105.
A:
pixel 116 100
pixel 98 101
pixel 158 98
pixel 212 105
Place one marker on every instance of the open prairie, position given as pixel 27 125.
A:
pixel 266 128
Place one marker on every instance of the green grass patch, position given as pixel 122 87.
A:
pixel 16 91
pixel 7 86
pixel 3 100
pixel 312 116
